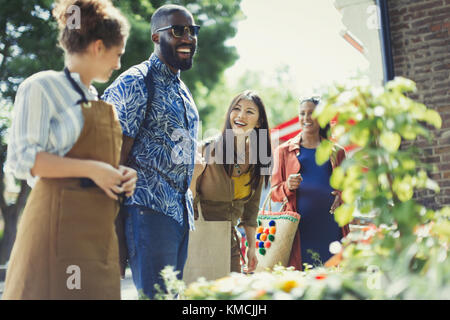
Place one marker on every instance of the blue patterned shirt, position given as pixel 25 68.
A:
pixel 165 141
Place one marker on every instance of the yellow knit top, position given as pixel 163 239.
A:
pixel 242 191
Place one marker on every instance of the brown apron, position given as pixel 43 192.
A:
pixel 66 246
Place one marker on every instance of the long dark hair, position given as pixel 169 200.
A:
pixel 323 132
pixel 262 133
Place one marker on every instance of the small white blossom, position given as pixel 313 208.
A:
pixel 335 247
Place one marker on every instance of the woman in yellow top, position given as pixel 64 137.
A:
pixel 237 163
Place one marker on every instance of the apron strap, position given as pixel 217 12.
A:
pixel 84 182
pixel 76 87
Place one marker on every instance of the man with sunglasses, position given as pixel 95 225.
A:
pixel 159 121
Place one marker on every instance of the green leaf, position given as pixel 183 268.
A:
pixel 349 193
pixel 337 178
pixel 408 164
pixel 390 141
pixel 344 214
pixel 324 151
pixel 403 188
pixel 324 113
pixel 407 132
pixel 444 212
pixel 442 229
pixel 338 131
pixel 433 118
pixel 401 84
pixel 417 110
pixel 360 135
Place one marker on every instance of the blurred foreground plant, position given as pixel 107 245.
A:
pixel 408 250
pixel 404 253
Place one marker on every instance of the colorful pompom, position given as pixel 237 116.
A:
pixel 258 236
pixel 261 244
pixel 262 251
pixel 266 231
pixel 263 237
pixel 271 223
pixel 267 244
pixel 257 244
pixel 273 230
pixel 259 230
pixel 246 243
pixel 271 237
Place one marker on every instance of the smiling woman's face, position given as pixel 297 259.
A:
pixel 307 123
pixel 244 117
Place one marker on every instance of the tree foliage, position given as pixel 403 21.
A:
pixel 28 36
pixel 27 42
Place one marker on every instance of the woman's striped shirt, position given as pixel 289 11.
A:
pixel 46 118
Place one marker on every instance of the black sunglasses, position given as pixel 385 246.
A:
pixel 178 31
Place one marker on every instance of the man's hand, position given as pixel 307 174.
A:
pixel 108 178
pixel 129 176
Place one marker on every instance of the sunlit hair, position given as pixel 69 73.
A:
pixel 99 19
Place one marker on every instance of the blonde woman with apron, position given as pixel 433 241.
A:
pixel 66 246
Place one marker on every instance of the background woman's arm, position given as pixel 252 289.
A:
pixel 252 261
pixel 278 179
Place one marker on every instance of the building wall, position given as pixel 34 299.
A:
pixel 420 38
pixel 360 20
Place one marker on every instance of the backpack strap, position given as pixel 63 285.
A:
pixel 148 80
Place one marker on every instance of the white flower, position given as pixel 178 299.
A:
pixel 378 111
pixel 335 247
pixel 280 295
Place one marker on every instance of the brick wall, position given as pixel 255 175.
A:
pixel 420 39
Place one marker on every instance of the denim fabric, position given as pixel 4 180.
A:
pixel 154 241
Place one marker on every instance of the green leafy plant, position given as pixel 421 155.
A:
pixel 409 242
pixel 174 286
pixel 404 253
pixel 380 177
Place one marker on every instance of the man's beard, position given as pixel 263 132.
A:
pixel 170 55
